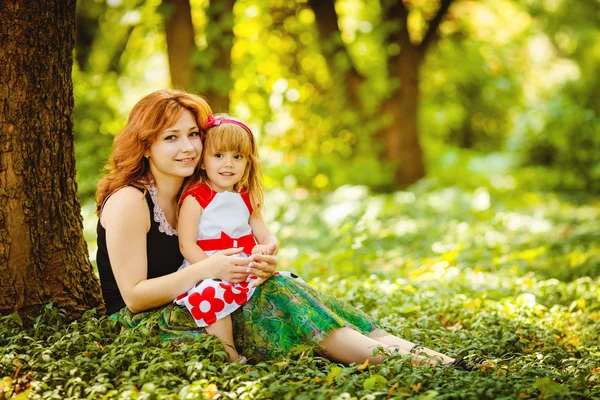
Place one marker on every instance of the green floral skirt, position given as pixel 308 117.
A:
pixel 282 315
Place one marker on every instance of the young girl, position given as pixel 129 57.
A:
pixel 221 210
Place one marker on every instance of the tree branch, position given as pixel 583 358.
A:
pixel 331 36
pixel 432 33
pixel 395 19
pixel 403 12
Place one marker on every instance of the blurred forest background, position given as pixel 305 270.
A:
pixel 507 91
pixel 491 95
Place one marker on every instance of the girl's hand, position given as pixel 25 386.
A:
pixel 264 249
pixel 230 269
pixel 262 266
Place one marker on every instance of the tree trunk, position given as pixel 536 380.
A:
pixel 219 36
pixel 179 31
pixel 43 255
pixel 401 137
pixel 400 140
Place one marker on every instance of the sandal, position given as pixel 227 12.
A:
pixel 413 350
pixel 469 366
pixel 241 360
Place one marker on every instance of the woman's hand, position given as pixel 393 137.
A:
pixel 228 268
pixel 262 265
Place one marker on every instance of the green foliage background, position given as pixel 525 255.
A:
pixel 514 78
pixel 493 271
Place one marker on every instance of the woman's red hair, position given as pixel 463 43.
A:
pixel 149 117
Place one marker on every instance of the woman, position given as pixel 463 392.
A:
pixel 138 252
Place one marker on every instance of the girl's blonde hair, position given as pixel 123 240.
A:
pixel 229 136
pixel 149 117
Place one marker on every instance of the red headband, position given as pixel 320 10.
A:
pixel 213 120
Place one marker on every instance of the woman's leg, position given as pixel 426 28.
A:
pixel 223 330
pixel 347 346
pixel 405 347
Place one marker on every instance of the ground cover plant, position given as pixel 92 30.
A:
pixel 505 273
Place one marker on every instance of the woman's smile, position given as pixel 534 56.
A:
pixel 188 160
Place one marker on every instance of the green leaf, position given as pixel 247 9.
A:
pixel 548 386
pixel 374 381
pixel 23 395
pixel 333 374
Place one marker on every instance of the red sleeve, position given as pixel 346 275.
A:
pixel 246 198
pixel 202 193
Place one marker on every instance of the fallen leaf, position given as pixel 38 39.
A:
pixel 282 364
pixel 364 365
pixel 392 390
pixel 302 381
pixel 416 388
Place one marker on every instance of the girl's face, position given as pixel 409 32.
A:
pixel 224 168
pixel 176 152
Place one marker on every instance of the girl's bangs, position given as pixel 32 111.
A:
pixel 229 137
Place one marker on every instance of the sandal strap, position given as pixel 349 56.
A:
pixel 414 348
pixel 469 365
pixel 462 363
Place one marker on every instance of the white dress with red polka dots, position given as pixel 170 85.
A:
pixel 224 224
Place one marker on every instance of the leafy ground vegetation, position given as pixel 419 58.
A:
pixel 505 273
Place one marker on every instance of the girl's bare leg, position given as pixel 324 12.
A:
pixel 223 329
pixel 347 346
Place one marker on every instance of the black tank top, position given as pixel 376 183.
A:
pixel 162 251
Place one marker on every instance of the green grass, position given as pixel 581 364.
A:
pixel 506 273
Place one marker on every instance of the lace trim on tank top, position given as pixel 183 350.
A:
pixel 159 214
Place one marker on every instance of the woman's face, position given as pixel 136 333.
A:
pixel 177 150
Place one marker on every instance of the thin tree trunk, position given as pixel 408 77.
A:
pixel 333 48
pixel 401 137
pixel 43 255
pixel 213 82
pixel 179 31
pixel 220 41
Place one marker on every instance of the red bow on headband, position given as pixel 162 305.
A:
pixel 216 121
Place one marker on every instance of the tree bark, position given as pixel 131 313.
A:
pixel 43 255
